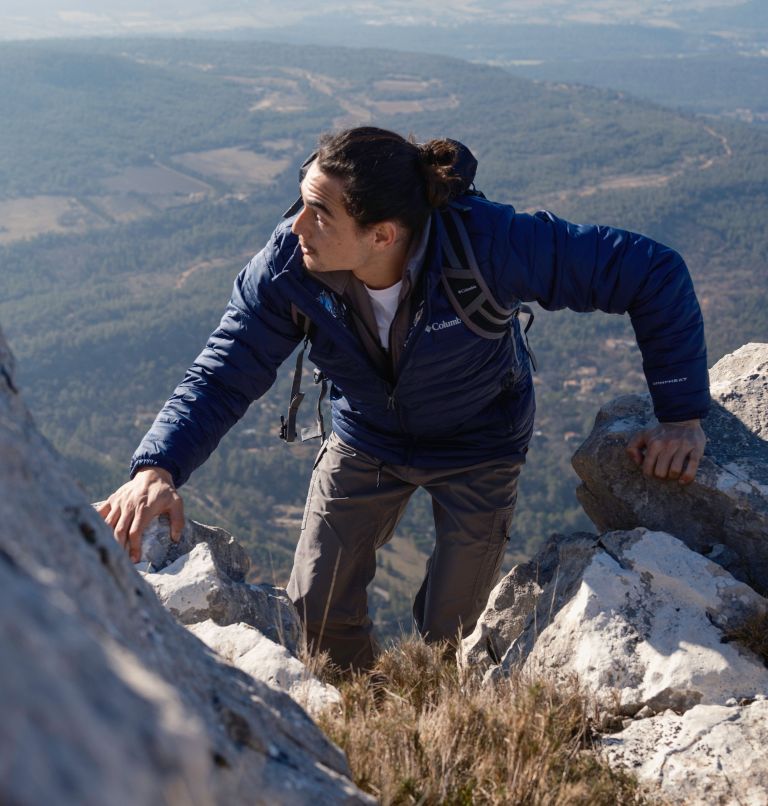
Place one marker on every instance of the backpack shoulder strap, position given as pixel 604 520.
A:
pixel 288 424
pixel 465 285
pixel 466 288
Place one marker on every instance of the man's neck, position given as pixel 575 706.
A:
pixel 388 270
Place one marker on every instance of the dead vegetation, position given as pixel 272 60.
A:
pixel 418 730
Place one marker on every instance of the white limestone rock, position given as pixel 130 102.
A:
pixel 196 586
pixel 514 599
pixel 641 623
pixel 711 754
pixel 158 550
pixel 251 651
pixel 739 382
pixel 723 514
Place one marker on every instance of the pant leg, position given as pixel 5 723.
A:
pixel 473 514
pixel 352 508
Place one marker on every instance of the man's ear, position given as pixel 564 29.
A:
pixel 386 234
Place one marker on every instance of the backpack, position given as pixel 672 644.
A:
pixel 462 280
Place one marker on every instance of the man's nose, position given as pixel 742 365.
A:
pixel 298 221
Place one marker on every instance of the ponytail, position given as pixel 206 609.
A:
pixel 437 159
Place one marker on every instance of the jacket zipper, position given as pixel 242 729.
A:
pixel 392 391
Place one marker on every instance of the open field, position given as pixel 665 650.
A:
pixel 30 216
pixel 404 85
pixel 154 180
pixel 238 167
pixel 120 207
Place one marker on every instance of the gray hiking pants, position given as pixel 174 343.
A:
pixel 353 505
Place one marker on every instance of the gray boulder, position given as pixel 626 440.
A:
pixel 203 577
pixel 158 551
pixel 105 697
pixel 723 514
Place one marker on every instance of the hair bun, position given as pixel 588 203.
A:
pixel 437 159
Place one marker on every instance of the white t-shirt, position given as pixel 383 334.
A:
pixel 384 302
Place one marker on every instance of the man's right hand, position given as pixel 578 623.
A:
pixel 130 509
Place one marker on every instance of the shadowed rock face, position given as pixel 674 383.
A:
pixel 104 697
pixel 517 598
pixel 724 513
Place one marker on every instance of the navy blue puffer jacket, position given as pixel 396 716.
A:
pixel 457 398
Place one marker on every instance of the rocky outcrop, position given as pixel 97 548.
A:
pixel 644 624
pixel 643 619
pixel 201 581
pixel 105 697
pixel 640 619
pixel 203 577
pixel 724 513
pixel 710 754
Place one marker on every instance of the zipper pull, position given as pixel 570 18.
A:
pixel 391 401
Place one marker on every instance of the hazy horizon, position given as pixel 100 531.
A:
pixel 46 19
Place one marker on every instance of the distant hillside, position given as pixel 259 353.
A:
pixel 139 176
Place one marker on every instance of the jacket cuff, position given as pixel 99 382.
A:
pixel 680 392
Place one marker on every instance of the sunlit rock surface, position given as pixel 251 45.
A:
pixel 251 651
pixel 201 581
pixel 712 754
pixel 104 697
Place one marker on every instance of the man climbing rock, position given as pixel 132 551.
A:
pixel 407 283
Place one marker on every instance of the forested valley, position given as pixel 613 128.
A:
pixel 137 177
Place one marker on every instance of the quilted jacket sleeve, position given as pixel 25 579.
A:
pixel 238 365
pixel 557 264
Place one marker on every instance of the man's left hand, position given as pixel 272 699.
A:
pixel 669 450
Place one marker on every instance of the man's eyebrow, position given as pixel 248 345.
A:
pixel 319 206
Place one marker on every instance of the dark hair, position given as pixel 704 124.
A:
pixel 387 176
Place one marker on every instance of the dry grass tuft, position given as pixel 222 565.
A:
pixel 418 730
pixel 752 633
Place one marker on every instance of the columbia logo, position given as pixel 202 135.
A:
pixel 444 325
pixel 468 289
